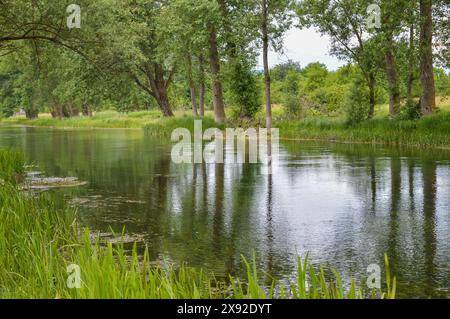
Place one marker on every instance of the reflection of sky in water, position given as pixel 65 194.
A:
pixel 344 204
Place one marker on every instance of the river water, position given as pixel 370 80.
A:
pixel 344 205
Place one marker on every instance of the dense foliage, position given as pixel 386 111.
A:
pixel 183 54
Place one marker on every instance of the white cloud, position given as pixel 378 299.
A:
pixel 305 46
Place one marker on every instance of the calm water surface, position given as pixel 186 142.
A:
pixel 346 205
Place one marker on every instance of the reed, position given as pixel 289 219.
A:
pixel 11 165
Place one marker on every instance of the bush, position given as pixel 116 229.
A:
pixel 357 102
pixel 291 93
pixel 245 93
pixel 411 111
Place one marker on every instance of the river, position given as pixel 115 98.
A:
pixel 345 205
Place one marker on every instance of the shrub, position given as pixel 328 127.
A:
pixel 357 102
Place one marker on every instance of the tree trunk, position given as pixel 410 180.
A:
pixel 86 109
pixel 394 93
pixel 202 99
pixel 202 86
pixel 31 113
pixel 219 107
pixel 192 87
pixel 159 88
pixel 410 80
pixel 428 100
pixel 72 109
pixel 163 101
pixel 371 84
pixel 57 111
pixel 265 39
pixel 194 100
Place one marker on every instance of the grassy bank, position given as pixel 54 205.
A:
pixel 39 240
pixel 429 131
pixel 108 119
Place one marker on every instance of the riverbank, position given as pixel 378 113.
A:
pixel 47 241
pixel 428 132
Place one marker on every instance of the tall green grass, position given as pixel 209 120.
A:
pixel 11 165
pixel 429 131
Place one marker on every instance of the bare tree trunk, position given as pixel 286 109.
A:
pixel 394 93
pixel 265 39
pixel 219 107
pixel 428 100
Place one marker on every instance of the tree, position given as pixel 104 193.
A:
pixel 183 27
pixel 345 22
pixel 275 21
pixel 43 21
pixel 291 92
pixel 392 17
pixel 428 100
pixel 9 99
pixel 214 60
pixel 442 32
pixel 239 32
pixel 280 71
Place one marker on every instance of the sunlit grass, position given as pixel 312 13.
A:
pixel 428 131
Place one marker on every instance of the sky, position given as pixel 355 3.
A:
pixel 304 46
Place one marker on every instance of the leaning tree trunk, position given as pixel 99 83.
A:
pixel 159 88
pixel 163 101
pixel 219 106
pixel 428 100
pixel 265 39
